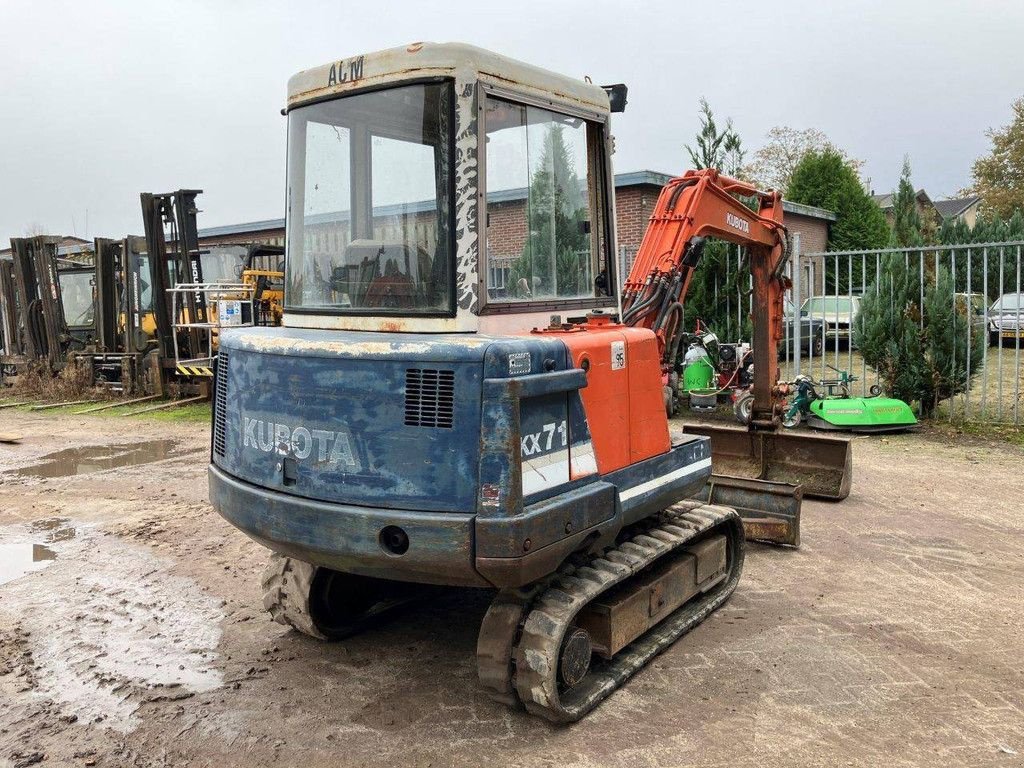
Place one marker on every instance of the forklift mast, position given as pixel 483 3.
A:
pixel 109 255
pixel 35 268
pixel 174 212
pixel 10 325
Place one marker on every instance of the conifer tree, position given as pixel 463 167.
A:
pixel 906 223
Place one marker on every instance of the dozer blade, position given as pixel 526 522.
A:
pixel 823 466
pixel 770 510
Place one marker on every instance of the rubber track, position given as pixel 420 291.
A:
pixel 531 623
pixel 286 586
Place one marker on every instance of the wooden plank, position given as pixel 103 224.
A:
pixel 10 437
pixel 46 406
pixel 118 404
pixel 165 406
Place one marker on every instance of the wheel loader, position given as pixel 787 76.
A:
pixel 462 394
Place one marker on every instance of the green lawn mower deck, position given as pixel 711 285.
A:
pixel 861 414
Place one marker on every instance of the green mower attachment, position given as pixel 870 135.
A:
pixel 836 410
pixel 861 414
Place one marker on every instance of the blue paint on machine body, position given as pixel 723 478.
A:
pixel 477 448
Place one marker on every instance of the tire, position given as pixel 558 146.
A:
pixel 670 401
pixel 993 339
pixel 742 409
pixel 792 422
pixel 818 345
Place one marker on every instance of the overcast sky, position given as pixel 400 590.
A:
pixel 102 101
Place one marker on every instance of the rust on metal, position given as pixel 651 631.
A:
pixel 822 466
pixel 770 510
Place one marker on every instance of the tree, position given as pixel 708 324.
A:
pixel 906 219
pixel 722 150
pixel 826 180
pixel 717 292
pixel 773 164
pixel 987 229
pixel 555 256
pixel 946 342
pixel 920 352
pixel 999 176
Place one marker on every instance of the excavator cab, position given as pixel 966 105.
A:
pixel 452 397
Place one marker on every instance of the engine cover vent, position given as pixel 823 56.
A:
pixel 219 403
pixel 429 397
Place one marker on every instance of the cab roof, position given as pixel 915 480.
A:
pixel 420 60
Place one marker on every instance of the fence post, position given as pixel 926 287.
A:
pixel 797 301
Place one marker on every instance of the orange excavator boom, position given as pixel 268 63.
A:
pixel 690 209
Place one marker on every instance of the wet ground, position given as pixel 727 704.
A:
pixel 132 632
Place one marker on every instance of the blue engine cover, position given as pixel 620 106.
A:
pixel 359 418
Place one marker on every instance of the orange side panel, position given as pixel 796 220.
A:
pixel 648 422
pixel 623 397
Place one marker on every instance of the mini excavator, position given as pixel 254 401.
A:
pixel 460 394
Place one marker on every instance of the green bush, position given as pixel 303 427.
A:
pixel 919 359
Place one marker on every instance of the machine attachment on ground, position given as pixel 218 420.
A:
pixel 827 405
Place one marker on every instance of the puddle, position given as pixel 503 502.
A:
pixel 125 629
pixel 18 559
pixel 23 557
pixel 95 458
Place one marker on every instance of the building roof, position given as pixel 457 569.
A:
pixel 629 179
pixel 949 209
pixel 68 244
pixel 885 201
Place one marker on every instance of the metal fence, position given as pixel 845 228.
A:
pixel 985 291
pixel 825 284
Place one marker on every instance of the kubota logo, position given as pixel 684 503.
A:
pixel 737 223
pixel 326 446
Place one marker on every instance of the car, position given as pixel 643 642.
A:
pixel 1006 319
pixel 812 332
pixel 838 312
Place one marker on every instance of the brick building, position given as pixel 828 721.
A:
pixel 635 196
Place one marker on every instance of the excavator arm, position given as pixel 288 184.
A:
pixel 691 208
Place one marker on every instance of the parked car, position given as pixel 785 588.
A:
pixel 1006 319
pixel 838 312
pixel 812 332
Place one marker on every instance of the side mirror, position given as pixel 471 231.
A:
pixel 616 96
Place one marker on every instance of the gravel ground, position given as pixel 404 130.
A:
pixel 132 632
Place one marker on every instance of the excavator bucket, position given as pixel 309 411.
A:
pixel 770 510
pixel 822 466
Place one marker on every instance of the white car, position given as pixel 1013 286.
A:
pixel 838 312
pixel 1006 319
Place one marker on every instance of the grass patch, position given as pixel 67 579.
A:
pixel 196 413
pixel 1002 432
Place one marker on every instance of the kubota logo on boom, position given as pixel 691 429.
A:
pixel 736 222
pixel 326 446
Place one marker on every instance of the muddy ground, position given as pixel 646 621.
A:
pixel 132 633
